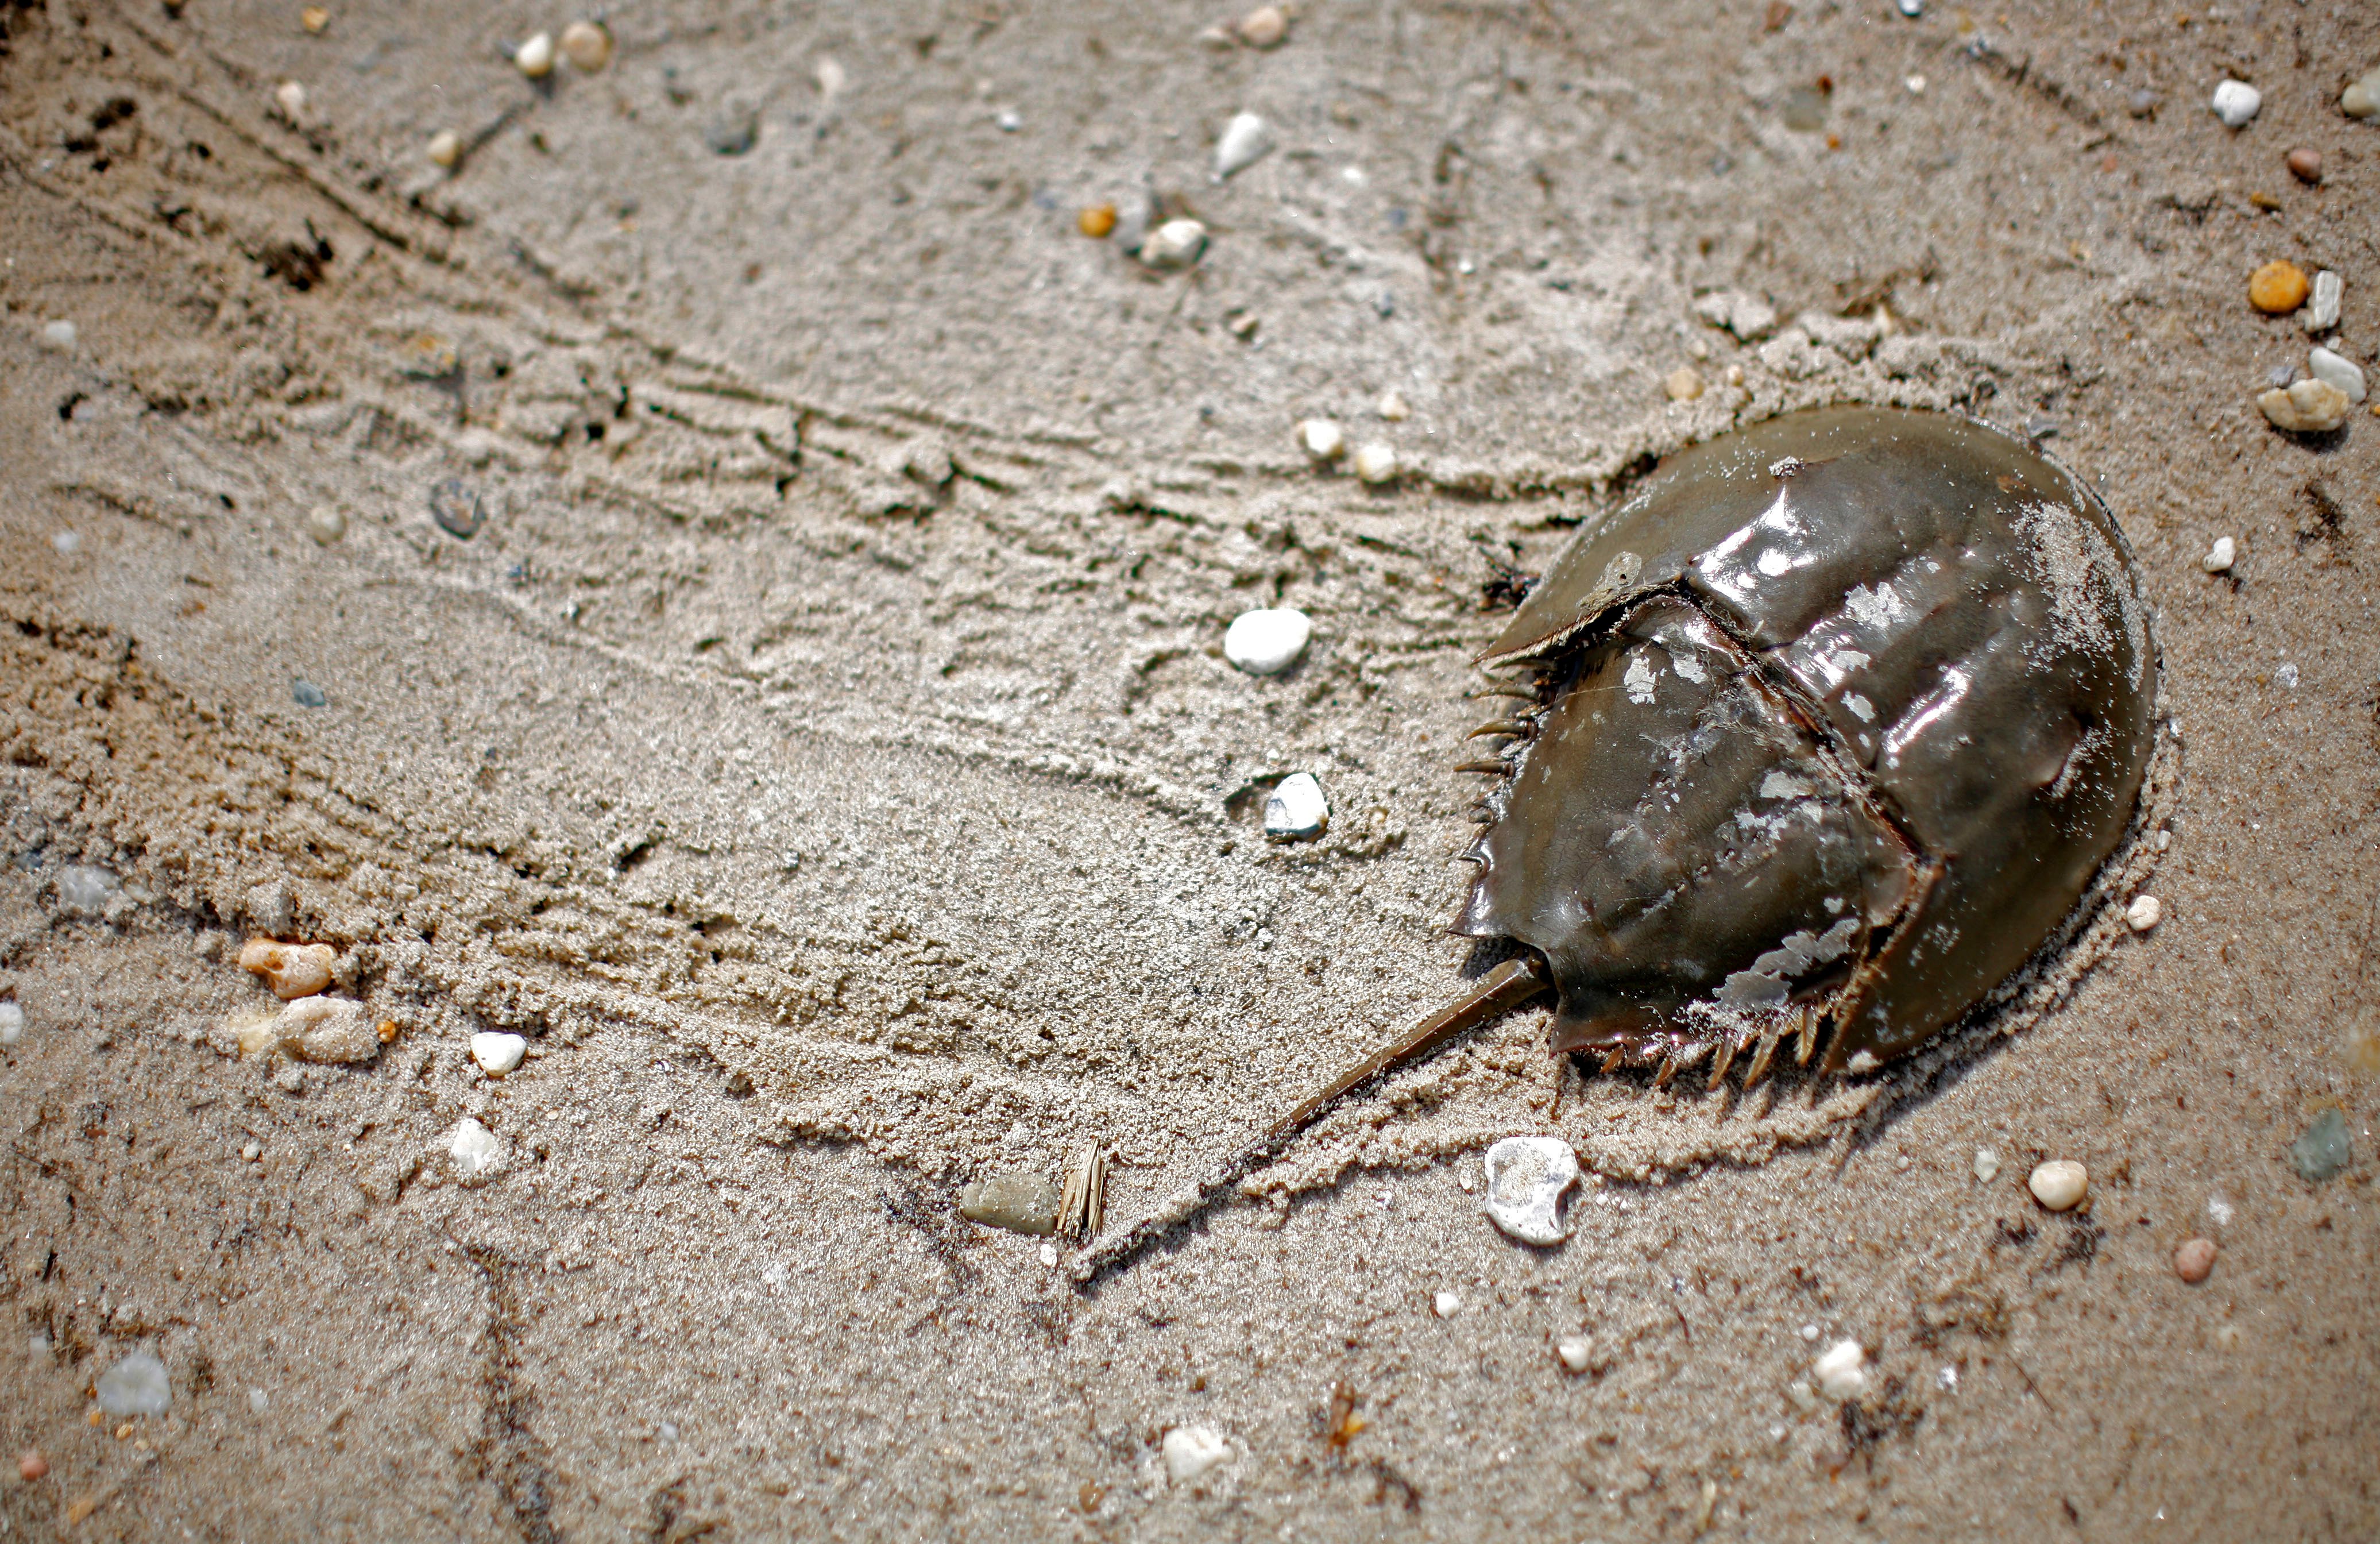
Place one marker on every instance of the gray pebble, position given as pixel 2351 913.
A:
pixel 733 129
pixel 308 694
pixel 84 887
pixel 1019 1202
pixel 456 506
pixel 2325 1149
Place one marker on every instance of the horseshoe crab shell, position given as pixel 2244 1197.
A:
pixel 1830 727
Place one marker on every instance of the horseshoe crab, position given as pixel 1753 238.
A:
pixel 1817 739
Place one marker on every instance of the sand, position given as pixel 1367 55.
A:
pixel 822 751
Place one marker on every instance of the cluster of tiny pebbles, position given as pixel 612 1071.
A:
pixel 2318 401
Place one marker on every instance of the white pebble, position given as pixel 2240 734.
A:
pixel 2219 1210
pixel 2220 557
pixel 1323 439
pixel 12 1024
pixel 2321 312
pixel 1267 642
pixel 1446 1305
pixel 498 1054
pixel 251 1152
pixel 1841 1370
pixel 446 149
pixel 1245 142
pixel 1296 809
pixel 2339 370
pixel 535 57
pixel 1175 244
pixel 473 1149
pixel 2235 101
pixel 2144 913
pixel 1264 27
pixel 2058 1184
pixel 2362 98
pixel 1391 407
pixel 66 543
pixel 86 888
pixel 1376 463
pixel 59 335
pixel 587 46
pixel 289 98
pixel 1577 1352
pixel 2310 407
pixel 259 1402
pixel 1913 8
pixel 136 1386
pixel 327 1029
pixel 1528 1177
pixel 1987 1166
pixel 1049 1256
pixel 1194 1452
pixel 1008 120
pixel 325 523
pixel 831 80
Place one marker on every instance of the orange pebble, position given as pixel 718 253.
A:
pixel 2194 1261
pixel 1096 220
pixel 32 1467
pixel 81 1509
pixel 2277 288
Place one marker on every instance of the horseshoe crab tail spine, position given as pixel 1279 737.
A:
pixel 1492 996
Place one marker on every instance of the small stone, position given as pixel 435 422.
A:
pixel 475 1149
pixel 2194 1261
pixel 1447 1303
pixel 31 1466
pixel 87 888
pixel 12 1024
pixel 1747 316
pixel 1377 463
pixel 2313 406
pixel 1191 1453
pixel 1264 27
pixel 1097 221
pixel 259 1402
pixel 2236 102
pixel 292 970
pixel 251 1152
pixel 446 149
pixel 1297 810
pixel 733 129
pixel 306 694
pixel 1577 1352
pixel 136 1385
pixel 1020 1202
pixel 456 506
pixel 587 44
pixel 1528 1177
pixel 2338 369
pixel 1008 120
pixel 2321 313
pixel 1391 407
pixel 535 57
pixel 1913 9
pixel 313 18
pixel 327 1029
pixel 2059 1185
pixel 1323 439
pixel 1841 1370
pixel 2220 557
pixel 325 523
pixel 2362 98
pixel 1267 642
pixel 496 1052
pixel 2324 1149
pixel 59 335
pixel 1987 1166
pixel 2305 165
pixel 2142 103
pixel 2144 913
pixel 1683 383
pixel 290 101
pixel 1175 244
pixel 2277 288
pixel 1245 142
